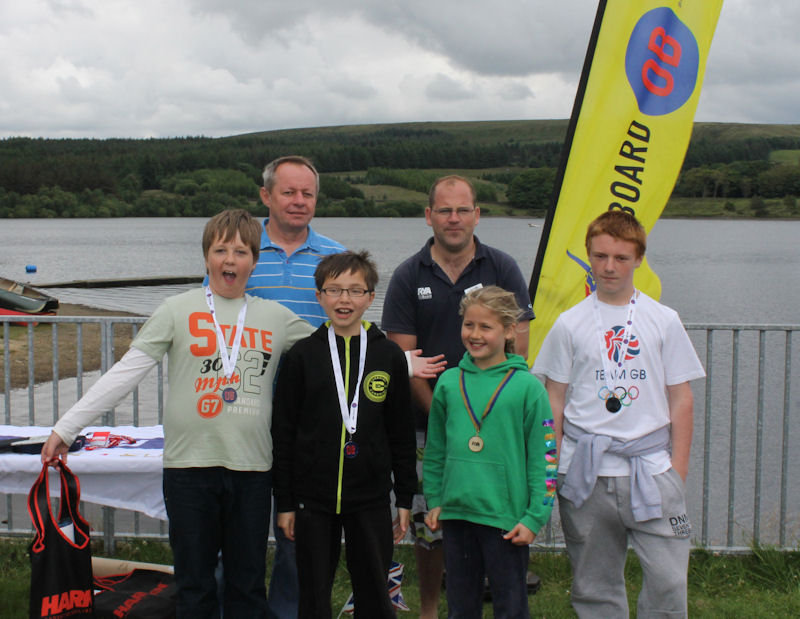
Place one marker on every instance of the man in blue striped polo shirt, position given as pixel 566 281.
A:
pixel 290 248
pixel 290 252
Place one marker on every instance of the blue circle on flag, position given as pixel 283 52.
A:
pixel 662 62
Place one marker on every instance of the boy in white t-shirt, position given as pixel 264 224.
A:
pixel 617 367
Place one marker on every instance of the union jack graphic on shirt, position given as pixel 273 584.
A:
pixel 614 345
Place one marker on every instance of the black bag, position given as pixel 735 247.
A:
pixel 140 594
pixel 34 444
pixel 61 556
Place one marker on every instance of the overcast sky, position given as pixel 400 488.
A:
pixel 162 68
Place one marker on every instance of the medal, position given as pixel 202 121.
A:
pixel 228 361
pixel 229 395
pixel 612 401
pixel 475 443
pixel 350 449
pixel 349 413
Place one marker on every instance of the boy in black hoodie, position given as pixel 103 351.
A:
pixel 342 428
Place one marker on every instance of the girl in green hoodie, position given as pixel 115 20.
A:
pixel 490 461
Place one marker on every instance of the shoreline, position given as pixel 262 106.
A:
pixel 67 346
pixel 79 309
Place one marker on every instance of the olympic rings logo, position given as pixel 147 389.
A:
pixel 625 396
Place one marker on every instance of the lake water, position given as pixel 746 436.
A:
pixel 711 270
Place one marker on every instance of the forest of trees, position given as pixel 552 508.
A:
pixel 200 176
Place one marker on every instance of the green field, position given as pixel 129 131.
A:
pixel 788 157
pixel 764 584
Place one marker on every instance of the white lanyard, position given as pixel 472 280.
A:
pixel 228 362
pixel 607 367
pixel 349 414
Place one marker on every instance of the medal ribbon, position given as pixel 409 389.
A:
pixel 625 338
pixel 473 417
pixel 228 362
pixel 349 414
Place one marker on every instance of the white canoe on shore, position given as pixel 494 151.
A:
pixel 17 298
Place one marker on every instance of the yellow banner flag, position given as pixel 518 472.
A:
pixel 626 142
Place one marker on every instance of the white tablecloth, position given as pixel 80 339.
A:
pixel 128 477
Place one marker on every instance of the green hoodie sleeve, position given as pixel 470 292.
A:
pixel 541 458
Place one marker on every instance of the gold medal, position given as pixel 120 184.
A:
pixel 475 443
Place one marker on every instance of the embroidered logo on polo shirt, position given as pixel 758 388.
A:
pixel 424 293
pixel 375 386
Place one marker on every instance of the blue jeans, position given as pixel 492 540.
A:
pixel 470 550
pixel 212 509
pixel 284 590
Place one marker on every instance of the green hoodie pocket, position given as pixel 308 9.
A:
pixel 475 486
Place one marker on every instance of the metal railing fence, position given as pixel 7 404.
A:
pixel 747 444
pixel 745 472
pixel 40 400
pixel 106 349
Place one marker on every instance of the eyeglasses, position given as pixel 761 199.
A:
pixel 461 211
pixel 335 291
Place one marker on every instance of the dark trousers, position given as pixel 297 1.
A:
pixel 283 596
pixel 368 551
pixel 470 550
pixel 212 509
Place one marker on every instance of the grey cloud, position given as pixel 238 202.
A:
pixel 255 20
pixel 504 37
pixel 444 88
pixel 751 75
pixel 515 91
pixel 755 43
pixel 65 7
pixel 216 67
pixel 772 103
pixel 351 88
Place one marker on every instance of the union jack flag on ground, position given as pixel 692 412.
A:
pixel 395 580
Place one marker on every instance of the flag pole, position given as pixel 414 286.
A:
pixel 562 166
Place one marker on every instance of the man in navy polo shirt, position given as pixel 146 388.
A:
pixel 421 311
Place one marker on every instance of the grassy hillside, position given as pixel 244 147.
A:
pixel 376 170
pixel 522 131
pixel 476 132
pixel 726 132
